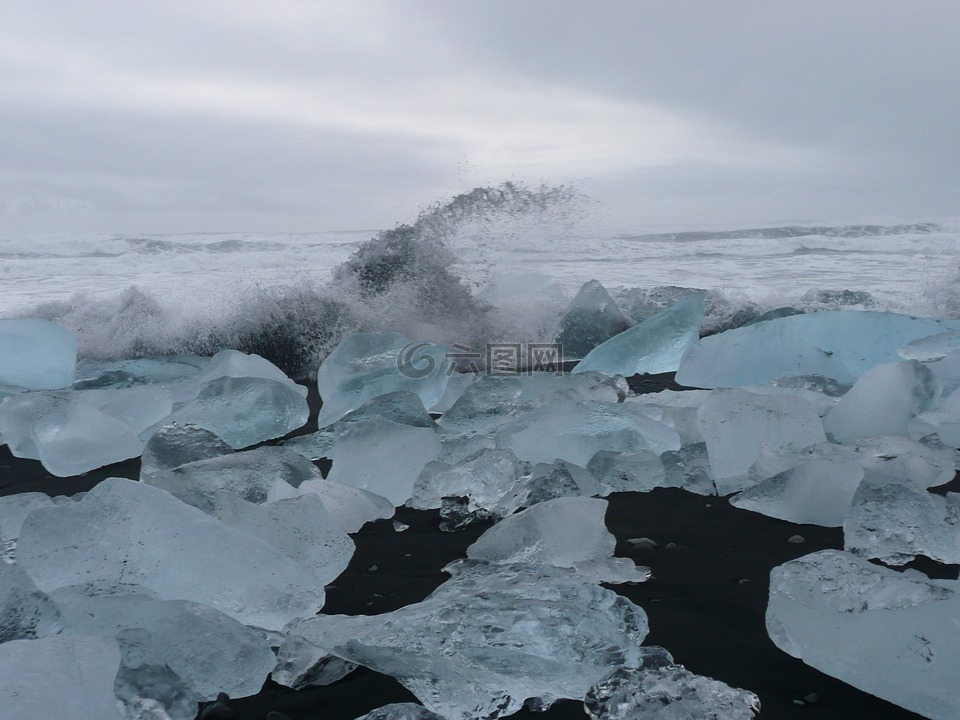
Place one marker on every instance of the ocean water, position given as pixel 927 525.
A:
pixel 497 263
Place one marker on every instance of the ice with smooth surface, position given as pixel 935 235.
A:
pixel 25 611
pixel 236 364
pixel 689 468
pixel 383 457
pixel 14 510
pixel 678 409
pixel 839 344
pixel 591 319
pixel 36 354
pixel 258 476
pixel 365 365
pixel 883 401
pixel 637 471
pixel 655 345
pixel 944 419
pixel 174 445
pixel 125 533
pixel 947 371
pixel 576 431
pixel 350 507
pixel 737 423
pixel 491 637
pixel 926 464
pixel 244 411
pixel 401 711
pixel 485 478
pixel 665 690
pixel 891 634
pixel 567 532
pixel 818 492
pixel 895 521
pixel 113 374
pixel 62 676
pixel 932 347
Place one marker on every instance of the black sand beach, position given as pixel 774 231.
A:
pixel 705 602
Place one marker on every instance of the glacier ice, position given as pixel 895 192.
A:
pixel 895 521
pixel 14 510
pixel 84 668
pixel 678 409
pixel 125 533
pixel 36 354
pixel 25 611
pixel 350 507
pixel 637 471
pixel 567 532
pixel 383 457
pixel 653 346
pixel 174 445
pixel 883 401
pixel 663 690
pixel 840 344
pixel 172 651
pixel 932 347
pixel 591 318
pixel 891 634
pixel 944 419
pixel 114 374
pixel 258 475
pixel 365 365
pixel 484 477
pixel 689 468
pixel 817 492
pixel 576 431
pixel 737 423
pixel 546 482
pixel 491 637
pixel 401 711
pixel 236 364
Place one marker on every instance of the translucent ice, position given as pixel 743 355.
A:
pixel 82 669
pixel 664 690
pixel 489 638
pixel 14 510
pixel 258 475
pixel 944 419
pixel 592 318
pixel 689 468
pixel 484 477
pixel 566 532
pixel 114 374
pixel 676 409
pixel 890 634
pixel 351 507
pixel 175 445
pixel 576 431
pixel 172 651
pixel 895 521
pixel 36 354
pixel 841 345
pixel 737 423
pixel 235 364
pixel 818 492
pixel 25 612
pixel 653 346
pixel 401 711
pixel 883 401
pixel 546 482
pixel 126 533
pixel 932 347
pixel 366 365
pixel 637 471
pixel 383 457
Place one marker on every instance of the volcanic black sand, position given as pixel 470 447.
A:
pixel 705 601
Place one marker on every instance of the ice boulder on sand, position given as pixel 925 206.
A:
pixel 737 424
pixel 36 354
pixel 366 365
pixel 841 345
pixel 484 477
pixel 125 533
pixel 883 401
pixel 174 445
pixel 492 637
pixel 592 318
pixel 653 346
pixel 63 676
pixel 891 634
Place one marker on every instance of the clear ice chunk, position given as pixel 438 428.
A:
pixel 492 637
pixel 365 365
pixel 383 457
pixel 484 477
pixel 401 711
pixel 591 319
pixel 576 431
pixel 839 344
pixel 676 409
pixel 25 612
pixel 567 532
pixel 932 347
pixel 235 364
pixel 14 510
pixel 737 423
pixel 891 634
pixel 174 445
pixel 115 374
pixel 883 401
pixel 895 521
pixel 637 471
pixel 351 507
pixel 125 533
pixel 36 354
pixel 817 492
pixel 689 468
pixel 653 346
pixel 61 676
pixel 665 690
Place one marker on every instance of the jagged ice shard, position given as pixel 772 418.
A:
pixel 491 637
pixel 592 318
pixel 654 346
pixel 36 354
pixel 840 345
pixel 891 634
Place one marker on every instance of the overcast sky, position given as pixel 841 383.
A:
pixel 282 115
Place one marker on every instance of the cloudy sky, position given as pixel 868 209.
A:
pixel 289 115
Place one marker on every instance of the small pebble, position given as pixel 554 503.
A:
pixel 796 539
pixel 643 543
pixel 797 701
pixel 708 505
pixel 372 568
pixel 671 546
pixel 811 698
pixel 399 526
pixel 743 581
